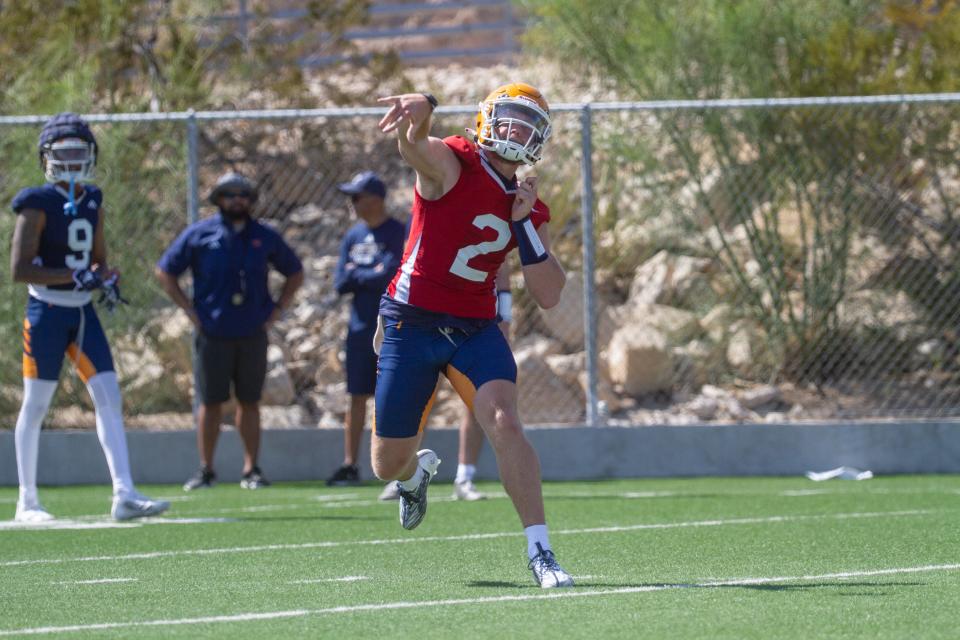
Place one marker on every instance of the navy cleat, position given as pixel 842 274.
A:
pixel 547 572
pixel 413 504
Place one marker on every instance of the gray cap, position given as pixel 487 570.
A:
pixel 233 181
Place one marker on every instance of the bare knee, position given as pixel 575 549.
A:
pixel 503 427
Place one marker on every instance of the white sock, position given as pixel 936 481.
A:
pixel 536 534
pixel 413 481
pixel 105 392
pixel 465 472
pixel 37 395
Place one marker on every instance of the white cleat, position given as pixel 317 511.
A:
pixel 390 492
pixel 468 491
pixel 34 514
pixel 547 572
pixel 413 504
pixel 137 507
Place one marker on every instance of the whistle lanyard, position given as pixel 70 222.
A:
pixel 239 296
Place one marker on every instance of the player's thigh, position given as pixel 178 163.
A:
pixel 361 364
pixel 484 357
pixel 213 365
pixel 250 367
pixel 46 335
pixel 90 351
pixel 407 374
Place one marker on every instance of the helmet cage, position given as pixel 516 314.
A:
pixel 69 159
pixel 515 128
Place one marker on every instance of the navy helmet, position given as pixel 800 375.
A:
pixel 233 182
pixel 67 149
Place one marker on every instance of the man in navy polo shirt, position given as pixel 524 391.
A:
pixel 230 255
pixel 369 256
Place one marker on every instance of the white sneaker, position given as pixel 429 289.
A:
pixel 390 492
pixel 32 514
pixel 466 490
pixel 413 504
pixel 137 506
pixel 547 572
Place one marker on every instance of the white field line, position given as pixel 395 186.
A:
pixel 149 555
pixel 99 581
pixel 102 522
pixel 318 580
pixel 550 595
pixel 327 501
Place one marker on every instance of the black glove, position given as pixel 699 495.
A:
pixel 87 280
pixel 110 294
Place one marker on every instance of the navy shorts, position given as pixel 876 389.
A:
pixel 361 364
pixel 411 360
pixel 51 331
pixel 220 361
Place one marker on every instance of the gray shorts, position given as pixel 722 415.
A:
pixel 220 361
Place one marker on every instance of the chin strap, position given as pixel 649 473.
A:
pixel 71 206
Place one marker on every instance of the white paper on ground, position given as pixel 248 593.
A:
pixel 842 473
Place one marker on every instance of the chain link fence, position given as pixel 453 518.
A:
pixel 743 260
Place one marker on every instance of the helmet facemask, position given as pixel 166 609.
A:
pixel 69 160
pixel 513 128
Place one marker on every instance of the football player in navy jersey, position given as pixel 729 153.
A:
pixel 59 252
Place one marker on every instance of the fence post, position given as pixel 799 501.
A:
pixel 193 203
pixel 589 299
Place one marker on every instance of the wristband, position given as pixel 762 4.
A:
pixel 531 249
pixel 505 305
pixel 434 103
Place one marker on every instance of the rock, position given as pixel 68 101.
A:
pixel 759 396
pixel 670 279
pixel 289 417
pixel 278 387
pixel 542 396
pixel 677 325
pixel 639 360
pixel 565 321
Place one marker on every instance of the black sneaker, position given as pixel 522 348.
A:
pixel 346 476
pixel 202 479
pixel 254 479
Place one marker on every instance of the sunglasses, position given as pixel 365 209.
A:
pixel 235 194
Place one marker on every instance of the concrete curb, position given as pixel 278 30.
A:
pixel 566 453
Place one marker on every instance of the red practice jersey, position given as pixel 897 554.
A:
pixel 458 242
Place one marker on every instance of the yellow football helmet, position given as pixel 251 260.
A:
pixel 514 122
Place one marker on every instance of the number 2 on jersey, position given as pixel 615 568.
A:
pixel 484 221
pixel 79 240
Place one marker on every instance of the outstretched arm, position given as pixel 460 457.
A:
pixel 437 167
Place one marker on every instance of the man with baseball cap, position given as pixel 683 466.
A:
pixel 230 255
pixel 369 256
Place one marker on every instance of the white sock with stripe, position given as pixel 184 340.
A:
pixel 37 395
pixel 105 391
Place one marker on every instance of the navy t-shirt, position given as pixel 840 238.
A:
pixel 369 258
pixel 230 269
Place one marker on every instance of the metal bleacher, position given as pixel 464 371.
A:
pixel 481 31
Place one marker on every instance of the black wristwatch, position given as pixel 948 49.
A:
pixel 433 101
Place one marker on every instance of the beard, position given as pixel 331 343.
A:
pixel 236 213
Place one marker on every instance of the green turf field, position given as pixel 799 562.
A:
pixel 679 558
